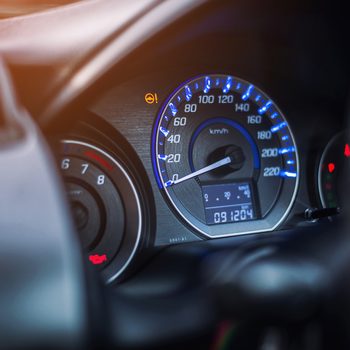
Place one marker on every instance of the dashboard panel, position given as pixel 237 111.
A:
pixel 286 65
pixel 204 148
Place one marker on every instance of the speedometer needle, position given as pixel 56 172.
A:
pixel 218 164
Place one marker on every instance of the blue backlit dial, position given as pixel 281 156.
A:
pixel 225 157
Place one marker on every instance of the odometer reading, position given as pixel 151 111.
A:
pixel 218 134
pixel 227 203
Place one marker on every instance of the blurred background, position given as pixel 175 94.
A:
pixel 13 8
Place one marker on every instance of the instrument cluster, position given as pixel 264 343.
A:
pixel 215 157
pixel 206 136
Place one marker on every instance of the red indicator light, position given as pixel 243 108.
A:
pixel 347 150
pixel 97 259
pixel 331 167
pixel 99 159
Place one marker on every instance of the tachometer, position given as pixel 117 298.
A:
pixel 105 205
pixel 225 157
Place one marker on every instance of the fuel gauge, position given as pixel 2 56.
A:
pixel 335 163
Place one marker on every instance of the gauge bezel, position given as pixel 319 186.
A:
pixel 264 223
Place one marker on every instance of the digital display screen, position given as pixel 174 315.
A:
pixel 227 203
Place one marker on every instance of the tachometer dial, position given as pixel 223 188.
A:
pixel 105 205
pixel 225 157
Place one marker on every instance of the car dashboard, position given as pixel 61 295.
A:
pixel 223 129
pixel 230 47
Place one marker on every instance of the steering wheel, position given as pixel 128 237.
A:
pixel 49 299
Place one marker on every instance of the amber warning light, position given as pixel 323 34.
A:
pixel 151 98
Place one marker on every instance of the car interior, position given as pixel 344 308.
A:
pixel 174 174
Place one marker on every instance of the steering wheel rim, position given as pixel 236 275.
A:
pixel 43 296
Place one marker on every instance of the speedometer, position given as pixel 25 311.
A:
pixel 225 157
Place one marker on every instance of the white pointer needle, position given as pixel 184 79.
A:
pixel 204 170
